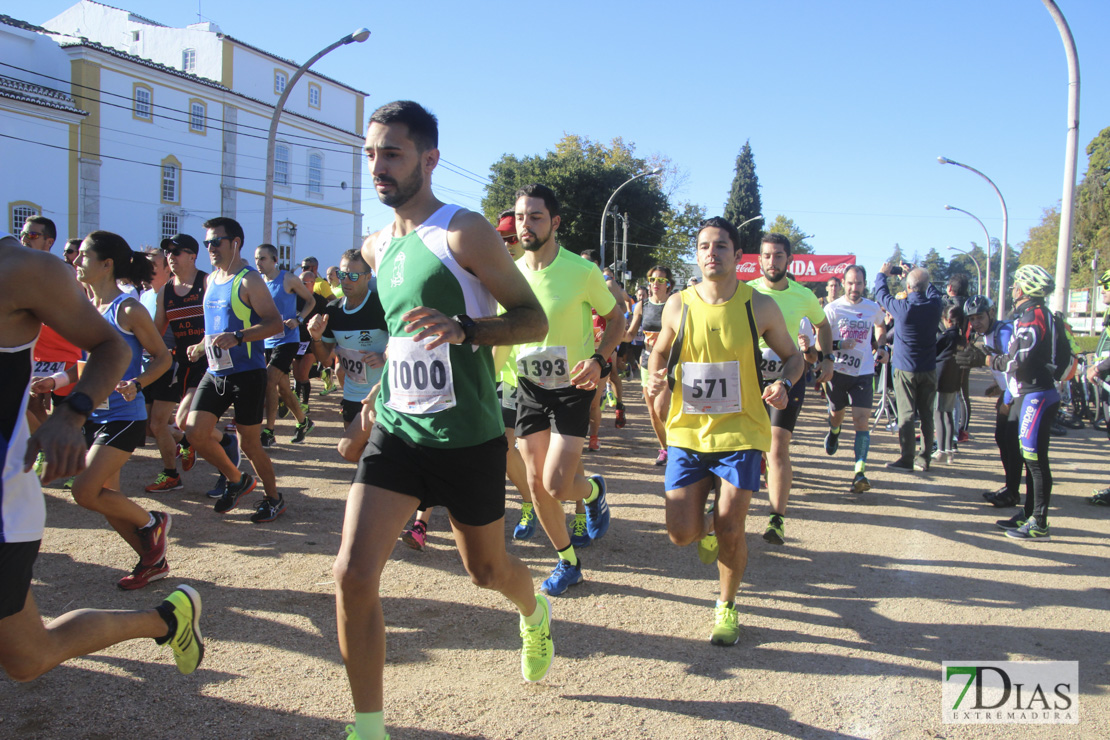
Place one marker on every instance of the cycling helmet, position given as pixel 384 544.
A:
pixel 1034 281
pixel 1104 281
pixel 977 304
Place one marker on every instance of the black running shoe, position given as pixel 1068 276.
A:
pixel 832 442
pixel 234 492
pixel 302 431
pixel 268 510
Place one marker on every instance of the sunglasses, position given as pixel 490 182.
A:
pixel 510 238
pixel 658 280
pixel 178 251
pixel 25 235
pixel 70 251
pixel 213 243
pixel 352 276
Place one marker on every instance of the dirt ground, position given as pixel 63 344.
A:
pixel 844 628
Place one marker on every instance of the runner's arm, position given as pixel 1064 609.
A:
pixel 772 328
pixel 300 289
pixel 259 299
pixel 657 360
pixel 160 318
pixel 637 320
pixel 825 346
pixel 135 319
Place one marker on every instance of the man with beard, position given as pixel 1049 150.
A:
pixel 557 377
pixel 437 436
pixel 854 320
pixel 797 304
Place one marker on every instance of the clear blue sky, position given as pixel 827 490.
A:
pixel 846 105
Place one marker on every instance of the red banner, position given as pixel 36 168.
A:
pixel 806 268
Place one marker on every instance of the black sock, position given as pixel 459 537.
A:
pixel 185 442
pixel 170 472
pixel 165 611
pixel 225 441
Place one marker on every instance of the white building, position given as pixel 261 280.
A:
pixel 166 127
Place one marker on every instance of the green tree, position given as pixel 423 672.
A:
pixel 936 265
pixel 584 173
pixel 787 227
pixel 744 202
pixel 962 263
pixel 676 250
pixel 1092 217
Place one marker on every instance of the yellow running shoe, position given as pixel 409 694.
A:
pixel 352 733
pixel 539 648
pixel 708 549
pixel 187 643
pixel 726 630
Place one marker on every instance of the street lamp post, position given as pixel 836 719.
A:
pixel 1005 225
pixel 978 272
pixel 271 141
pixel 953 208
pixel 656 171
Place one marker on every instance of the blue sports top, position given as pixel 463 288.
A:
pixel 224 311
pixel 118 409
pixel 286 303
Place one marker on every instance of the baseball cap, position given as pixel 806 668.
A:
pixel 507 225
pixel 181 240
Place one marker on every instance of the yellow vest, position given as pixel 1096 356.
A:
pixel 720 344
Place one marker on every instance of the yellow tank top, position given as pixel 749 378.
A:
pixel 717 403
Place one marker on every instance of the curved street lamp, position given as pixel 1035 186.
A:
pixel 978 272
pixel 271 141
pixel 656 171
pixel 1002 250
pixel 969 213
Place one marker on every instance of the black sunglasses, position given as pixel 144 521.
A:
pixel 177 251
pixel 352 276
pixel 211 243
pixel 71 251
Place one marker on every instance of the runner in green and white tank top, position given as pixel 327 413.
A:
pixel 444 397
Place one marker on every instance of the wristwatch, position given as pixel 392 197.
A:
pixel 468 325
pixel 138 386
pixel 787 383
pixel 239 336
pixel 79 403
pixel 606 367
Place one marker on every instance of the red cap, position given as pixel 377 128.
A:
pixel 507 225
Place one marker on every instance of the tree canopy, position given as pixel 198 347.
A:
pixel 744 202
pixel 584 173
pixel 787 227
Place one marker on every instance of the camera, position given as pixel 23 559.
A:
pixel 895 271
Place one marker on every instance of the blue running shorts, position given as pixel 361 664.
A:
pixel 738 467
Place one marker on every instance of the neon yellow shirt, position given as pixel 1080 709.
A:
pixel 568 289
pixel 797 302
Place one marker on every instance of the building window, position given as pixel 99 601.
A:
pixel 198 115
pixel 189 60
pixel 171 180
pixel 143 108
pixel 135 36
pixel 313 95
pixel 168 225
pixel 281 165
pixel 280 78
pixel 20 212
pixel 316 173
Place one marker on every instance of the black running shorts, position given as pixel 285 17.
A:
pixel 16 562
pixel 857 391
pixel 566 411
pixel 468 481
pixel 246 390
pixel 786 418
pixel 164 388
pixel 282 356
pixel 120 434
pixel 350 410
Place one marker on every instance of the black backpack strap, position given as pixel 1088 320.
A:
pixel 755 339
pixel 676 347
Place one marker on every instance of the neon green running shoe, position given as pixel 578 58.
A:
pixel 328 377
pixel 539 648
pixel 187 643
pixel 352 733
pixel 726 629
pixel 68 485
pixel 40 465
pixel 708 549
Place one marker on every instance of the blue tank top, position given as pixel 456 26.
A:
pixel 286 303
pixel 224 311
pixel 119 409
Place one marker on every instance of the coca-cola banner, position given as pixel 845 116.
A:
pixel 806 268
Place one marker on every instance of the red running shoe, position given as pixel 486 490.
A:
pixel 153 539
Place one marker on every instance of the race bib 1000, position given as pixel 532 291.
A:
pixel 420 380
pixel 711 387
pixel 547 367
